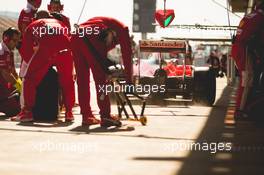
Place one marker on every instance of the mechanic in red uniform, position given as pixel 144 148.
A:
pixel 55 6
pixel 250 27
pixel 26 15
pixel 108 32
pixel 8 75
pixel 52 49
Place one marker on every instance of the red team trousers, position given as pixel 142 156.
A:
pixel 84 62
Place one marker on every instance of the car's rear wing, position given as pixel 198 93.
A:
pixel 163 46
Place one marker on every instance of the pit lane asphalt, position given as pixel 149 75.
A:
pixel 59 148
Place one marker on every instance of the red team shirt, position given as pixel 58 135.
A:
pixel 6 62
pixel 26 17
pixel 250 26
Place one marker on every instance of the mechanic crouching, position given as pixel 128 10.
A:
pixel 90 52
pixel 246 50
pixel 9 81
pixel 51 50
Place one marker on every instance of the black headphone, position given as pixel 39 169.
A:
pixel 57 16
pixel 103 34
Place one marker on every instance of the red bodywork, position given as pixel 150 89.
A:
pixel 178 70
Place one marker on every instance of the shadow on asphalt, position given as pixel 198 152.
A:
pixel 97 131
pixel 245 157
pixel 3 118
pixel 46 124
pixel 160 158
pixel 87 130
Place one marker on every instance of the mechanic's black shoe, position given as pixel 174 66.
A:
pixel 110 121
pixel 241 116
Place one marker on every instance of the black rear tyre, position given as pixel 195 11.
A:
pixel 204 87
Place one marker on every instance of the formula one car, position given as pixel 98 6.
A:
pixel 168 65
